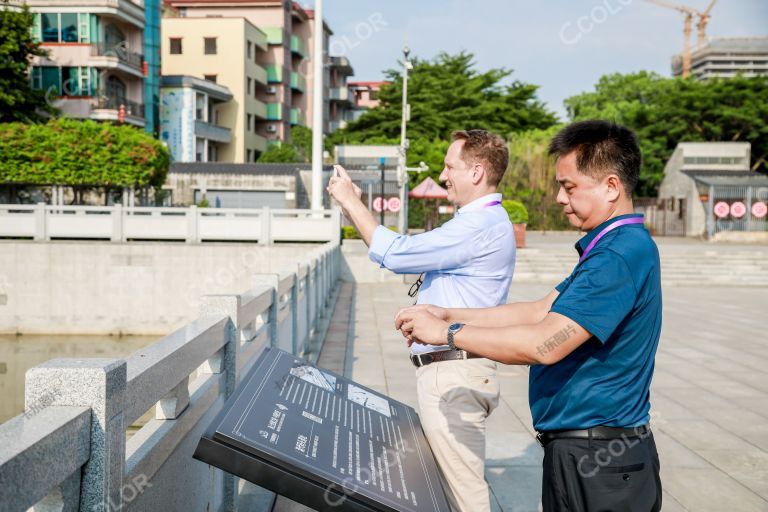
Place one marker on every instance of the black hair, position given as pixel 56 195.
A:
pixel 602 148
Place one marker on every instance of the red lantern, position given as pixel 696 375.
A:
pixel 121 113
pixel 145 68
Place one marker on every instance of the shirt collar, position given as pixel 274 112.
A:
pixel 479 203
pixel 586 239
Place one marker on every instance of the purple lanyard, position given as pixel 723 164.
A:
pixel 609 227
pixel 492 203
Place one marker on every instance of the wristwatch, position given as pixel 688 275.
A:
pixel 452 330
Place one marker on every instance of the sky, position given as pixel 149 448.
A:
pixel 563 46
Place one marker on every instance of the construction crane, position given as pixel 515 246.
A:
pixel 701 26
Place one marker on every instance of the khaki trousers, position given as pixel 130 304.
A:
pixel 455 398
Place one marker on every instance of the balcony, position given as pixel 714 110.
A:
pixel 212 132
pixel 108 109
pixel 117 57
pixel 274 34
pixel 298 82
pixel 274 111
pixel 274 74
pixel 297 46
pixel 297 116
pixel 340 94
pixel 342 66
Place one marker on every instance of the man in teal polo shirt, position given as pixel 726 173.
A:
pixel 591 342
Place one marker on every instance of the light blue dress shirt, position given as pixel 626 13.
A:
pixel 468 261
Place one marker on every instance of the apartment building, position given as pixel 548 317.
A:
pixel 95 67
pixel 364 96
pixel 191 118
pixel 340 99
pixel 725 57
pixel 226 51
pixel 288 60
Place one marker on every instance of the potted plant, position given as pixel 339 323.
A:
pixel 518 216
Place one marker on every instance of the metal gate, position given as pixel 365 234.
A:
pixel 663 217
pixel 737 208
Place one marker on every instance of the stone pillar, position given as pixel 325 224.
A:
pixel 266 226
pixel 192 233
pixel 272 281
pixel 98 384
pixel 40 227
pixel 226 363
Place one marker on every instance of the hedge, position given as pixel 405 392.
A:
pixel 81 153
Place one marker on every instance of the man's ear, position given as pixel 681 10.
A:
pixel 614 186
pixel 478 173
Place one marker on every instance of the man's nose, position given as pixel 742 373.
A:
pixel 562 197
pixel 444 175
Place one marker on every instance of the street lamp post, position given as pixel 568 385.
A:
pixel 402 172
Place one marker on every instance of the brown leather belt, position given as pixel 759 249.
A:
pixel 420 360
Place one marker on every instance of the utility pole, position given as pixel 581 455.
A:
pixel 402 173
pixel 317 109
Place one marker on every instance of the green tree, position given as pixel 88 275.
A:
pixel 280 153
pixel 18 101
pixel 446 94
pixel 666 111
pixel 530 178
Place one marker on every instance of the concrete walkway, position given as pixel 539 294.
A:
pixel 709 396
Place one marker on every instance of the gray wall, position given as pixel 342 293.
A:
pixel 112 288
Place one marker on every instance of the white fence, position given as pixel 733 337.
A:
pixel 193 224
pixel 68 451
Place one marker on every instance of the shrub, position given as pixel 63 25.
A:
pixel 516 211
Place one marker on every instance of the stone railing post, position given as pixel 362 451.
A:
pixel 117 223
pixel 99 384
pixel 273 282
pixel 266 226
pixel 40 224
pixel 192 225
pixel 226 363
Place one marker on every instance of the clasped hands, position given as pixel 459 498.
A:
pixel 423 323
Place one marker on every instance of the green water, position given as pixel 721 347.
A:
pixel 18 353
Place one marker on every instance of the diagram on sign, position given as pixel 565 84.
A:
pixel 314 376
pixel 367 399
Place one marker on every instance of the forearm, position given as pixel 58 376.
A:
pixel 509 345
pixel 517 313
pixel 363 219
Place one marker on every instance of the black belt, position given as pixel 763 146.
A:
pixel 600 432
pixel 420 360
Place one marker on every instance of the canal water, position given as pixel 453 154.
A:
pixel 18 353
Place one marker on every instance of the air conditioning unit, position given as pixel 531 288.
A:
pixel 271 128
pixel 271 89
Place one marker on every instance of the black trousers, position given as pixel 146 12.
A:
pixel 582 475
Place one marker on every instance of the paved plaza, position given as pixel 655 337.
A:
pixel 709 396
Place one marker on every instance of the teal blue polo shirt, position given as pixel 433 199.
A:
pixel 615 294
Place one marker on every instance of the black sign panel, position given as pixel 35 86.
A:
pixel 323 441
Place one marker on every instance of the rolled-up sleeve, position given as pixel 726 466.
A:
pixel 445 248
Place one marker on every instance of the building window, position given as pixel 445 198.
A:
pixel 199 107
pixel 250 49
pixel 69 27
pixel 249 123
pixel 210 78
pixel 249 85
pixel 50 27
pixel 175 46
pixel 210 45
pixel 247 155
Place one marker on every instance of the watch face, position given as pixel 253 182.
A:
pixel 455 327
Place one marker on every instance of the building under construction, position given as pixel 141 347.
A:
pixel 726 57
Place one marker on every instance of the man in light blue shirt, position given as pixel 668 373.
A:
pixel 467 263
